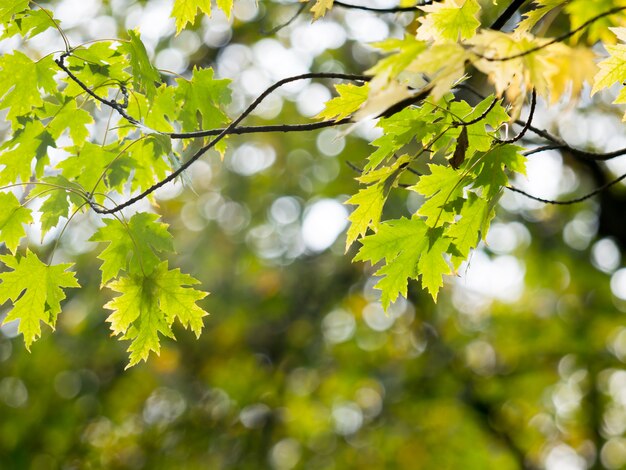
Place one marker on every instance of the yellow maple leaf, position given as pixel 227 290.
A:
pixel 613 68
pixel 512 77
pixel 576 67
pixel 320 8
pixel 443 63
pixel 449 20
pixel 532 17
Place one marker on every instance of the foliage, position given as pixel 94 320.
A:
pixel 52 102
pixel 299 366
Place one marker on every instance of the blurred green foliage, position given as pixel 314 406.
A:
pixel 298 367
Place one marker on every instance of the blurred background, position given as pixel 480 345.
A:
pixel 519 365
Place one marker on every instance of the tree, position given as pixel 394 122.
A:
pixel 446 95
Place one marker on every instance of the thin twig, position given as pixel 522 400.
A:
pixel 567 202
pixel 507 14
pixel 560 38
pixel 527 124
pixel 224 133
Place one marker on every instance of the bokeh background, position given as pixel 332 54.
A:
pixel 519 365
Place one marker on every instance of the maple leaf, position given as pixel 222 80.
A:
pixel 369 202
pixel 96 167
pixel 350 99
pixel 613 69
pixel 490 168
pixel 226 6
pixel 432 266
pixel 8 8
pixel 532 17
pixel 320 8
pixel 400 242
pixel 442 186
pixel 28 23
pixel 149 304
pixel 580 13
pixel 449 20
pixel 512 76
pixel 133 246
pixel 202 95
pixel 185 11
pixel 17 154
pixel 404 50
pixel 476 214
pixel 145 75
pixel 399 130
pixel 12 216
pixel 148 163
pixel 444 64
pixel 36 292
pixel 577 66
pixel 20 82
pixel 67 116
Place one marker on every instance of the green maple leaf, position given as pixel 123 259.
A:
pixel 476 214
pixel 371 199
pixel 369 202
pixel 133 247
pixel 145 75
pixel 36 292
pixel 9 8
pixel 480 133
pixel 163 109
pixel 408 48
pixel 350 99
pixel 205 96
pixel 12 216
pixel 400 243
pixel 148 163
pixel 432 266
pixel 22 81
pixel 67 116
pixel 443 186
pixel 101 66
pixel 94 166
pixel 490 168
pixel 28 23
pixel 149 304
pixel 185 11
pixel 17 154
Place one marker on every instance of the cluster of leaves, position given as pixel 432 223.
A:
pixel 469 162
pixel 155 126
pixel 44 109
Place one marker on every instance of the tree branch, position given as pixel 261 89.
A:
pixel 222 134
pixel 507 14
pixel 561 38
pixel 568 202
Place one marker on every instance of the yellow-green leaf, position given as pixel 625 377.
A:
pixel 149 305
pixel 36 292
pixel 449 20
pixel 185 11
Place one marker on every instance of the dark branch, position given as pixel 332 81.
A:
pixel 172 176
pixel 507 14
pixel 286 23
pixel 568 202
pixel 381 10
pixel 527 124
pixel 260 129
pixel 561 38
pixel 119 107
